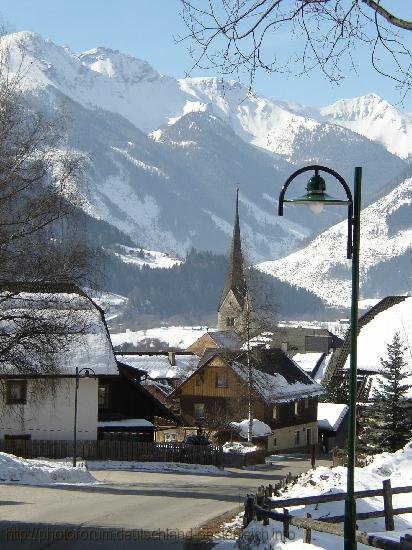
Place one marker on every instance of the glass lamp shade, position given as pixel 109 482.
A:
pixel 316 197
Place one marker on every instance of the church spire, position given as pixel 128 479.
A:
pixel 235 279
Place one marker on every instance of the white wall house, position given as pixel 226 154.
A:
pixel 40 406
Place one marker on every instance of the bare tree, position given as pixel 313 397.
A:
pixel 231 35
pixel 39 242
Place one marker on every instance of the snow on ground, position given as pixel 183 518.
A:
pixel 396 466
pixel 176 337
pixel 14 469
pixel 141 257
pixel 155 467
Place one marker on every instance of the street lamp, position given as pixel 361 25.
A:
pixel 82 373
pixel 316 198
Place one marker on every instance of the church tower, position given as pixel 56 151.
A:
pixel 232 301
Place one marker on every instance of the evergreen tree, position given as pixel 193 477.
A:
pixel 388 421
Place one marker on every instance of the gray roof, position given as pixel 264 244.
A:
pixel 226 339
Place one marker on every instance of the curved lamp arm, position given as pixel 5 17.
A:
pixel 318 168
pixel 86 372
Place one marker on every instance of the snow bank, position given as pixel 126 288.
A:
pixel 40 471
pixel 259 428
pixel 397 467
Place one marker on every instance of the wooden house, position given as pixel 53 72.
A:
pixel 283 396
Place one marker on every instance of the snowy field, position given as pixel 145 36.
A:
pixel 176 337
pixel 41 472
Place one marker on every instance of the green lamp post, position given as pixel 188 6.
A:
pixel 316 198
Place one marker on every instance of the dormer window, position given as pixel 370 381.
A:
pixel 275 414
pixel 230 321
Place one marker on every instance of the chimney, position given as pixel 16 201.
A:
pixel 172 358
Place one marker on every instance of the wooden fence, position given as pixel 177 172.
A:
pixel 116 450
pixel 259 507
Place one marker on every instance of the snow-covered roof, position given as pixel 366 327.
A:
pixel 126 423
pixel 259 428
pixel 331 415
pixel 307 361
pixel 275 388
pixel 159 366
pixel 66 310
pixel 379 331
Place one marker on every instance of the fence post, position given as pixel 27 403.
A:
pixel 313 456
pixel 259 502
pixel 387 505
pixel 286 521
pixel 307 532
pixel 247 518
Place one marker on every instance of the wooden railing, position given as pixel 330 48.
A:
pixel 116 450
pixel 261 508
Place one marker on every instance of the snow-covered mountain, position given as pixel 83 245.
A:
pixel 167 154
pixel 373 117
pixel 385 255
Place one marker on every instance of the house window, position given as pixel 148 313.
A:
pixel 230 321
pixel 297 439
pixel 309 436
pixel 199 380
pixel 284 346
pixel 296 408
pixel 221 380
pixel 275 413
pixel 170 436
pixel 103 396
pixel 199 411
pixel 306 401
pixel 275 443
pixel 16 392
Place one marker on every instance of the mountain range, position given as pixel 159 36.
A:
pixel 167 154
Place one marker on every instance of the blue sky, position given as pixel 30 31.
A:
pixel 145 29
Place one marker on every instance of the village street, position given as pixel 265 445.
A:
pixel 38 517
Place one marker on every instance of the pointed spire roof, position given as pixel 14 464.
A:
pixel 235 278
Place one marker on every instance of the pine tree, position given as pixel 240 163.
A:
pixel 389 418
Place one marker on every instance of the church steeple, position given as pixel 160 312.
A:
pixel 232 300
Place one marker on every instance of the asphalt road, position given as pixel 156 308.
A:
pixel 128 509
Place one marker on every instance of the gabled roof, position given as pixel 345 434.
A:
pixel 235 279
pixel 341 355
pixel 331 415
pixel 68 315
pixel 228 339
pixel 275 377
pixel 157 365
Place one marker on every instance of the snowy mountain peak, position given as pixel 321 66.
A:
pixel 115 64
pixel 376 119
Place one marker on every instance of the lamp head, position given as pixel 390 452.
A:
pixel 316 197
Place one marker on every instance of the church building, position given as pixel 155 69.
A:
pixel 234 295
